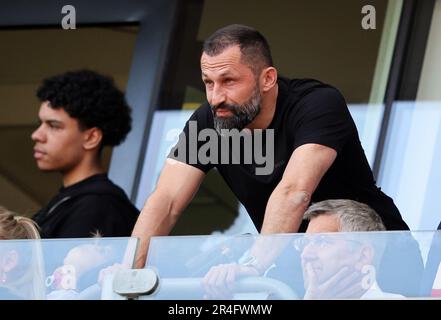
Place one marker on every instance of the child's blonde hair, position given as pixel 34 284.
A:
pixel 30 284
pixel 13 226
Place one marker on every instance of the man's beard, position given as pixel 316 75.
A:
pixel 242 115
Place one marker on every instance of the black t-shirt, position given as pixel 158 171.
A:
pixel 307 111
pixel 93 205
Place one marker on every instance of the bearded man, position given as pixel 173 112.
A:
pixel 317 151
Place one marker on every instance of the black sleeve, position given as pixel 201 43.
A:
pixel 323 118
pixel 187 148
pixel 97 214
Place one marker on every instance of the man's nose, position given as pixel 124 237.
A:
pixel 38 134
pixel 217 96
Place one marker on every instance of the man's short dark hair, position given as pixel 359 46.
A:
pixel 255 50
pixel 92 99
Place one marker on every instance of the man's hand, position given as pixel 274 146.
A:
pixel 345 284
pixel 219 282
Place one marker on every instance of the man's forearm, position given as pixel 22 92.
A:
pixel 284 211
pixel 156 219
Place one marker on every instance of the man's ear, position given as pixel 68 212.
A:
pixel 92 138
pixel 268 79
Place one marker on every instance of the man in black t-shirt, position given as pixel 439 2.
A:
pixel 80 113
pixel 314 147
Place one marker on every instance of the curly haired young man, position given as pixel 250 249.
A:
pixel 80 113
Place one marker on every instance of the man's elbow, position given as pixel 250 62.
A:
pixel 296 196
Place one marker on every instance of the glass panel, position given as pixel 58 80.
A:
pixel 355 265
pixel 61 269
pixel 410 171
pixel 368 117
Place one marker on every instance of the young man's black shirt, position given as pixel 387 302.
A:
pixel 93 206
